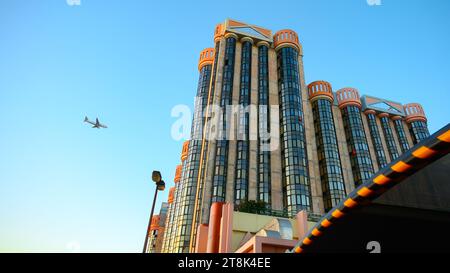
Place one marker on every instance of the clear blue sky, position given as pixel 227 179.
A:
pixel 130 62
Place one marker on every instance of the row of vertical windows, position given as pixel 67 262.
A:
pixel 331 176
pixel 389 137
pixel 242 149
pixel 264 183
pixel 221 158
pixel 404 145
pixel 296 188
pixel 419 131
pixel 376 140
pixel 358 148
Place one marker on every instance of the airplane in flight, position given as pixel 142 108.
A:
pixel 96 124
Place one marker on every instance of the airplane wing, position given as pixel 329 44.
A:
pixel 99 125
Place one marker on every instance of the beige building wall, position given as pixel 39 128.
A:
pixel 275 155
pixel 253 163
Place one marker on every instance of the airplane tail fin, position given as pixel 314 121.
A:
pixel 86 119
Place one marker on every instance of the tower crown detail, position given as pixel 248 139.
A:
pixel 320 90
pixel 206 57
pixel 348 96
pixel 414 112
pixel 286 37
pixel 178 174
pixel 184 151
pixel 219 31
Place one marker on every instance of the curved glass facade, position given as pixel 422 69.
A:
pixel 221 158
pixel 201 179
pixel 331 177
pixel 404 145
pixel 389 138
pixel 263 178
pixel 192 164
pixel 419 131
pixel 361 162
pixel 294 166
pixel 243 149
pixel 376 140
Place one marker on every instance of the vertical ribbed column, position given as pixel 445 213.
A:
pixel 264 168
pixel 376 138
pixel 332 180
pixel 401 135
pixel 417 121
pixel 241 178
pixel 358 148
pixel 389 136
pixel 296 187
pixel 180 209
pixel 221 156
pixel 191 177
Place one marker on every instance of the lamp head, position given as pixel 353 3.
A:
pixel 161 185
pixel 156 176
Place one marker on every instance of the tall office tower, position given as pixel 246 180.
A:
pixel 305 148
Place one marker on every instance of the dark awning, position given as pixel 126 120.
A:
pixel 405 207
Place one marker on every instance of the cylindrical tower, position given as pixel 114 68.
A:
pixel 294 165
pixel 389 136
pixel 221 159
pixel 350 105
pixel 199 194
pixel 193 153
pixel 401 135
pixel 241 178
pixel 264 166
pixel 332 180
pixel 376 138
pixel 153 234
pixel 417 122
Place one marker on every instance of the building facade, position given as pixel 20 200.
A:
pixel 157 230
pixel 323 143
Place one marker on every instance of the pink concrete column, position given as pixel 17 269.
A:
pixel 215 216
pixel 226 228
pixel 202 238
pixel 302 224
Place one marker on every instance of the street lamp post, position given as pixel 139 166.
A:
pixel 160 186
